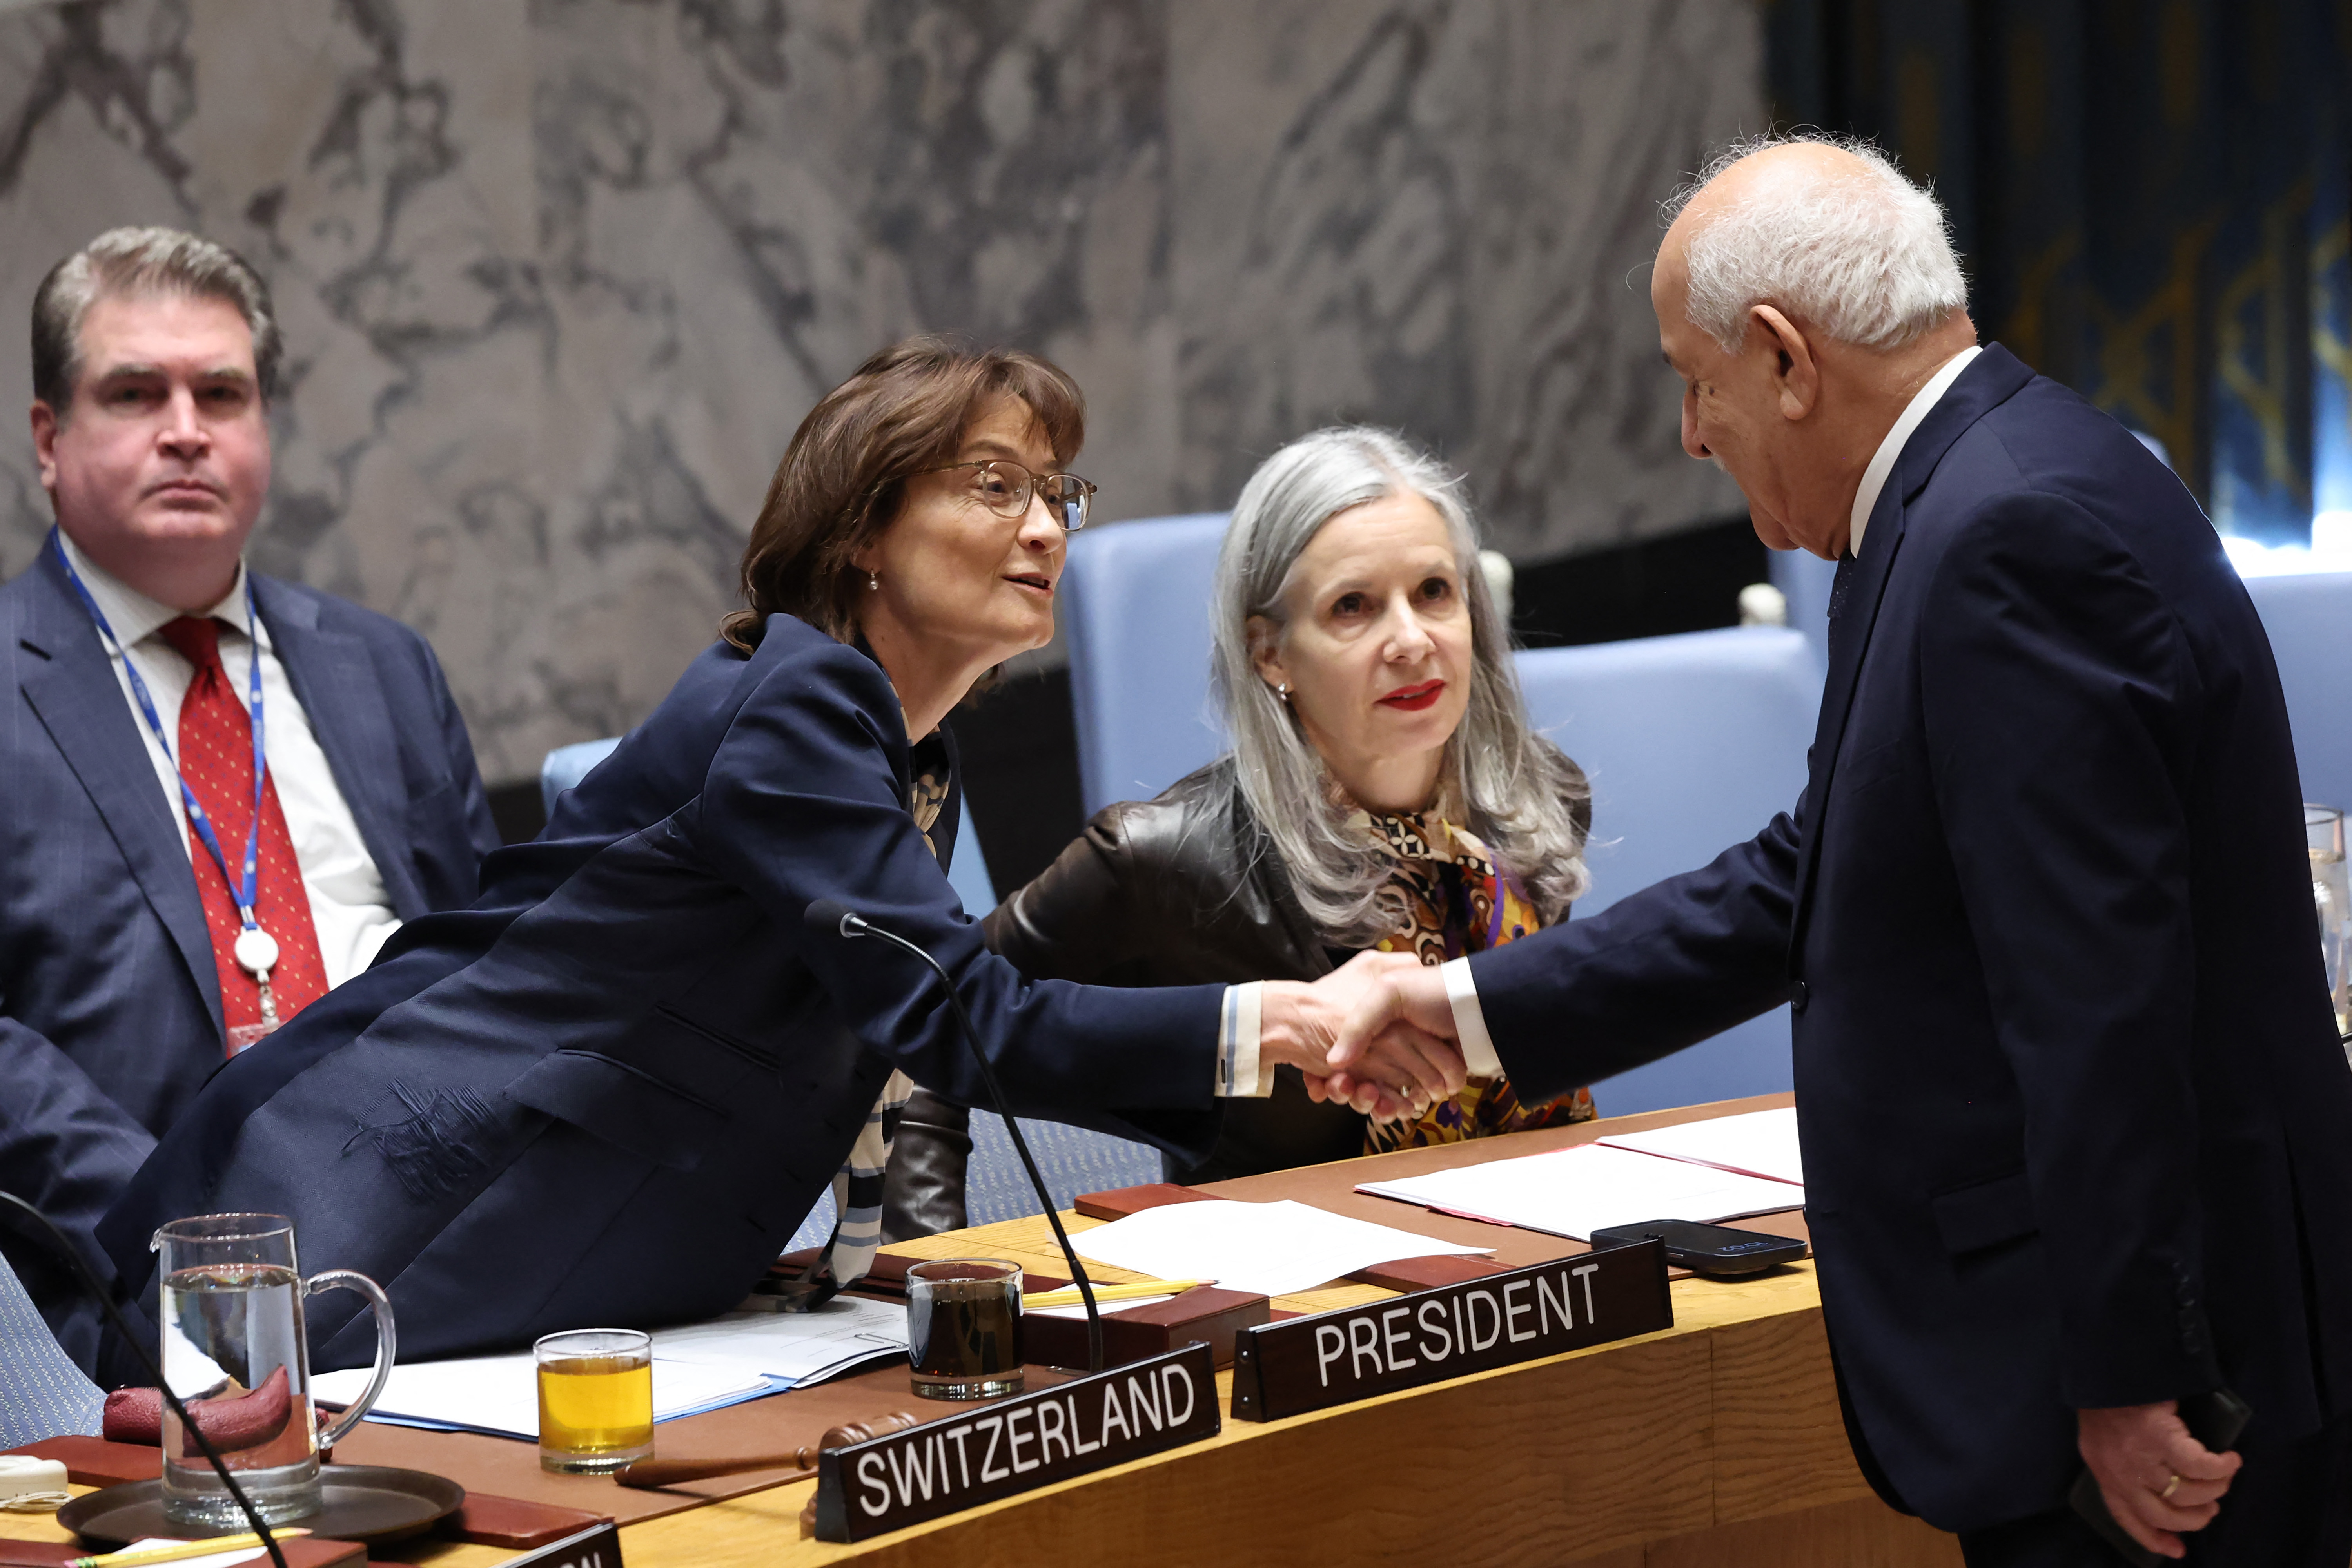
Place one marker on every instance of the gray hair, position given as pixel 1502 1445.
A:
pixel 1518 791
pixel 1866 255
pixel 132 262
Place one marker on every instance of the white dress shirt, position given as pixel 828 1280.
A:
pixel 347 908
pixel 1461 991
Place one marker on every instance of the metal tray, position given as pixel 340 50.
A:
pixel 370 1503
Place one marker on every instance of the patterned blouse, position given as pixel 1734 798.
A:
pixel 1456 899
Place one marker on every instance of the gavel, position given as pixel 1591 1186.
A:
pixel 657 1472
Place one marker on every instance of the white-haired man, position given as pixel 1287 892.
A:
pixel 2073 1111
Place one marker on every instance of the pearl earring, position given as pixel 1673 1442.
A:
pixel 873 584
pixel 1283 691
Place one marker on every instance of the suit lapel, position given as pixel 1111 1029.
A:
pixel 71 685
pixel 1991 380
pixel 343 702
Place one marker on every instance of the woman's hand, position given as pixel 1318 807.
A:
pixel 1399 1070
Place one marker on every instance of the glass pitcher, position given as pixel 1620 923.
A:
pixel 231 1306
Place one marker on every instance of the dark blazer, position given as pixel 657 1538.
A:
pixel 610 1090
pixel 1177 890
pixel 2077 1127
pixel 110 998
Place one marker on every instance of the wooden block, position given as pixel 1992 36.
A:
pixel 1409 1274
pixel 1131 1333
pixel 1120 1202
pixel 518 1523
pixel 95 1462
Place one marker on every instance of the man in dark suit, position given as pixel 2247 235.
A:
pixel 2077 1127
pixel 132 654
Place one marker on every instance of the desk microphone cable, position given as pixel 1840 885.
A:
pixel 835 919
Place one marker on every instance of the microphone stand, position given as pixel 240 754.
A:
pixel 826 914
pixel 89 1284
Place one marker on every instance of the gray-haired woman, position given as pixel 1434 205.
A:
pixel 1384 791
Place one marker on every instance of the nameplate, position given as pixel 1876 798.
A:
pixel 1012 1445
pixel 598 1547
pixel 1333 1358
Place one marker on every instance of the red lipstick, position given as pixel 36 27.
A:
pixel 1413 699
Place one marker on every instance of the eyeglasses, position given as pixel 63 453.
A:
pixel 1005 486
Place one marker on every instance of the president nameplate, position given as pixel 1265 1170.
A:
pixel 1335 1358
pixel 1011 1446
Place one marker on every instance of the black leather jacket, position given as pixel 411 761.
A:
pixel 1181 890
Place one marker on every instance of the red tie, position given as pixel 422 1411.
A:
pixel 217 760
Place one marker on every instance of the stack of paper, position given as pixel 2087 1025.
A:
pixel 1575 1192
pixel 1759 1144
pixel 699 1367
pixel 1266 1248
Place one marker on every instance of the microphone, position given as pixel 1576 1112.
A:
pixel 89 1282
pixel 833 918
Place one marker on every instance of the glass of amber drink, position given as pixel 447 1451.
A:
pixel 595 1400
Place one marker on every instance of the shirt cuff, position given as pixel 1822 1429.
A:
pixel 1240 1074
pixel 1469 1022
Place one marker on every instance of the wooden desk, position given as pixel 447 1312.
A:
pixel 1715 1443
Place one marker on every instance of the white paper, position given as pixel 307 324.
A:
pixel 697 1367
pixel 209 1559
pixel 1267 1249
pixel 1575 1192
pixel 1758 1144
pixel 499 1394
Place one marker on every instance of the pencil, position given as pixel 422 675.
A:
pixel 1067 1295
pixel 178 1550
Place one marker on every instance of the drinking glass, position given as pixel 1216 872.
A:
pixel 963 1328
pixel 234 1352
pixel 595 1400
pixel 2322 833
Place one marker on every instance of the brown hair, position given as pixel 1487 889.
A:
pixel 840 484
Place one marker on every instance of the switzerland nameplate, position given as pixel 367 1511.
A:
pixel 1309 1363
pixel 1011 1446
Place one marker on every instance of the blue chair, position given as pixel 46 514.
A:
pixel 1805 578
pixel 1072 1160
pixel 567 765
pixel 1692 743
pixel 1136 610
pixel 2309 619
pixel 42 1393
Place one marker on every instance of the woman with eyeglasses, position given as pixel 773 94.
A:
pixel 611 1090
pixel 1384 793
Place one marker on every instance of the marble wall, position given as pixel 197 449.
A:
pixel 560 276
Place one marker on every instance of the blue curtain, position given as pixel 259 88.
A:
pixel 2150 197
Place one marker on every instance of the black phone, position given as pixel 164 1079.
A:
pixel 1715 1249
pixel 2216 1420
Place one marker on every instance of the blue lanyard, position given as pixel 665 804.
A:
pixel 244 892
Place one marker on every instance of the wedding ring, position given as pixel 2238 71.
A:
pixel 2169 1488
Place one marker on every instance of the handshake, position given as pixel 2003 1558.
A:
pixel 1376 1033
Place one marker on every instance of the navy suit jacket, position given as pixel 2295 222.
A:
pixel 611 1090
pixel 110 997
pixel 2077 1128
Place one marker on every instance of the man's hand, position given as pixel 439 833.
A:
pixel 2157 1478
pixel 1390 998
pixel 1398 1069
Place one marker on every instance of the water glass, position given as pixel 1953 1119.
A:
pixel 2322 833
pixel 235 1352
pixel 595 1400
pixel 963 1328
